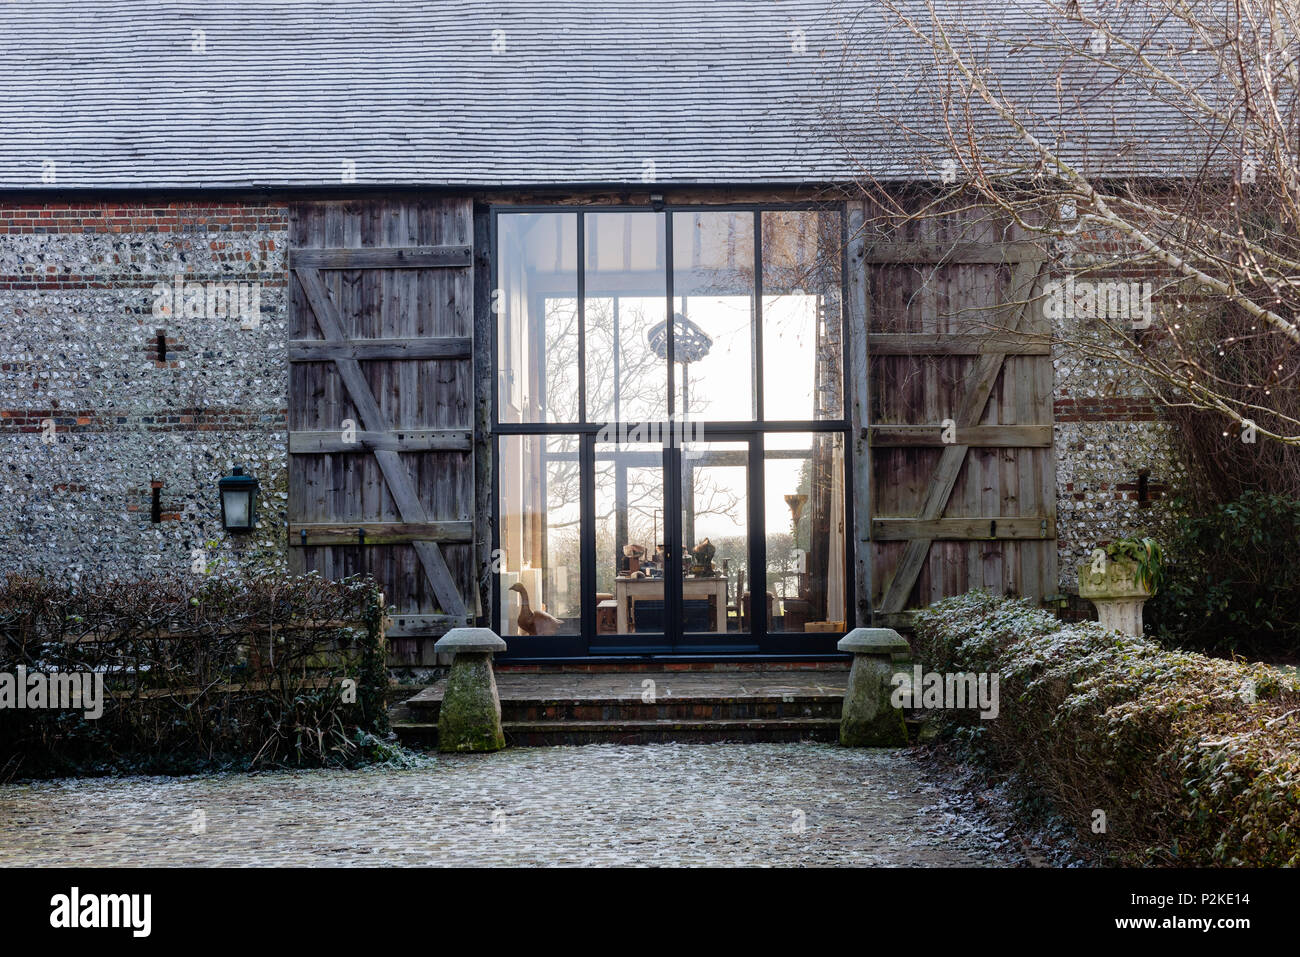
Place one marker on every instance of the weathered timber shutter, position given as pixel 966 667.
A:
pixel 381 405
pixel 956 335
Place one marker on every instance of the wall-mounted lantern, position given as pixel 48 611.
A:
pixel 238 500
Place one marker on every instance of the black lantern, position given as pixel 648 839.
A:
pixel 238 500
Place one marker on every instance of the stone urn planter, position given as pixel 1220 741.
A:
pixel 1113 586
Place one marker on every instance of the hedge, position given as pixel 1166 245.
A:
pixel 198 673
pixel 1194 761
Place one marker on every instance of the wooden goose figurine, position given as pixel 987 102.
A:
pixel 534 622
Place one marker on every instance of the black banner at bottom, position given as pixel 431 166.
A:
pixel 364 907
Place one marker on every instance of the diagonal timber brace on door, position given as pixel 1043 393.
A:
pixel 306 265
pixel 974 401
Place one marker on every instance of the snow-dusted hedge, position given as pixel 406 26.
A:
pixel 189 673
pixel 1191 760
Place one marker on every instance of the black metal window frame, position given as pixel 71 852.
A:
pixel 761 643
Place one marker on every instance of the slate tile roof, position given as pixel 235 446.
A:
pixel 135 93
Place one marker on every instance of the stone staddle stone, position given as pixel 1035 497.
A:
pixel 469 639
pixel 470 716
pixel 869 720
pixel 874 641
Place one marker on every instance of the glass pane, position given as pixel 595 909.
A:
pixel 802 348
pixel 713 323
pixel 236 505
pixel 803 478
pixel 540 520
pixel 629 538
pixel 715 531
pixel 627 296
pixel 537 317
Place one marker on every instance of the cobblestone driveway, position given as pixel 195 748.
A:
pixel 668 804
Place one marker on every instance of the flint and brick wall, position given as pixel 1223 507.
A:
pixel 1117 469
pixel 1118 466
pixel 94 416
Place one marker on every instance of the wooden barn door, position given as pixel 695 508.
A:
pixel 962 475
pixel 381 404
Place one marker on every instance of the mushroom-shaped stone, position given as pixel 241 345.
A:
pixel 469 718
pixel 874 641
pixel 469 640
pixel 869 718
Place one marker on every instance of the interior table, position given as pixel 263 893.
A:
pixel 628 590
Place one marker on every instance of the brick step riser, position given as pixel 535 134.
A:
pixel 428 737
pixel 683 711
pixel 697 736
pixel 829 708
pixel 625 668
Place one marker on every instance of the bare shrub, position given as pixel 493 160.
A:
pixel 198 673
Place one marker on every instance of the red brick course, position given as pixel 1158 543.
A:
pixel 170 420
pixel 139 217
pixel 1107 409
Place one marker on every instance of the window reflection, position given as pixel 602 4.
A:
pixel 629 538
pixel 802 349
pixel 713 288
pixel 804 511
pixel 540 523
pixel 715 529
pixel 537 310
pixel 626 297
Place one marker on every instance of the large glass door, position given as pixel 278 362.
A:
pixel 670 433
pixel 715 492
pixel 673 545
pixel 630 544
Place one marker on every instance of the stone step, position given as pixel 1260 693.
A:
pixel 620 666
pixel 542 733
pixel 577 708
pixel 677 696
pixel 415 734
pixel 669 709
